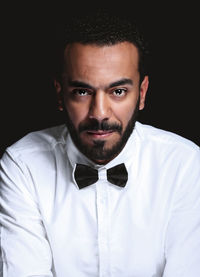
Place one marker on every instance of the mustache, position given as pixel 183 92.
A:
pixel 95 125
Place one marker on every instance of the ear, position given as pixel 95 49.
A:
pixel 58 88
pixel 143 90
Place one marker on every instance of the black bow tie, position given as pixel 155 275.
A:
pixel 85 175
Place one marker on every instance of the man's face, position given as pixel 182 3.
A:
pixel 101 96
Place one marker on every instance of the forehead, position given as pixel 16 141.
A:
pixel 87 61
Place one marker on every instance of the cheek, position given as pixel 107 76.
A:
pixel 76 114
pixel 124 114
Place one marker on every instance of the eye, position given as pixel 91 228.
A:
pixel 119 92
pixel 80 92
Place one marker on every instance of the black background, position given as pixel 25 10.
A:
pixel 28 99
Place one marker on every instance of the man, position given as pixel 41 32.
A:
pixel 103 195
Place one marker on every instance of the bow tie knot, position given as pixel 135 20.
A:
pixel 86 176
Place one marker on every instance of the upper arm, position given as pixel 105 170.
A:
pixel 182 246
pixel 25 250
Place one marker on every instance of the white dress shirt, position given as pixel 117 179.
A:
pixel 149 228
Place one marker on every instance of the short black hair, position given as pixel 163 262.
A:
pixel 103 28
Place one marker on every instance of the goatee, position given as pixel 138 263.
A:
pixel 99 152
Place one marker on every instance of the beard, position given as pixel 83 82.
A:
pixel 98 152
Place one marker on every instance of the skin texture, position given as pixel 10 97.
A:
pixel 101 84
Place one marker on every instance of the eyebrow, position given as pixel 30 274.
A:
pixel 121 82
pixel 79 84
pixel 124 81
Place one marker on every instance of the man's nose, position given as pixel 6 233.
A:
pixel 100 107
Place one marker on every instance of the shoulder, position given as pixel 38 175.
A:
pixel 165 141
pixel 39 141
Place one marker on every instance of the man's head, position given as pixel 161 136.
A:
pixel 103 84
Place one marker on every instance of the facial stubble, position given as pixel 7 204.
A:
pixel 98 151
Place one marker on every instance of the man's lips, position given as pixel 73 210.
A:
pixel 100 133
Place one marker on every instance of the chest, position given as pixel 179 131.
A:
pixel 108 231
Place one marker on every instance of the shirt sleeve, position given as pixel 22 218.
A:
pixel 25 250
pixel 182 247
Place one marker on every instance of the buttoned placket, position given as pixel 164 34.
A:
pixel 103 223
